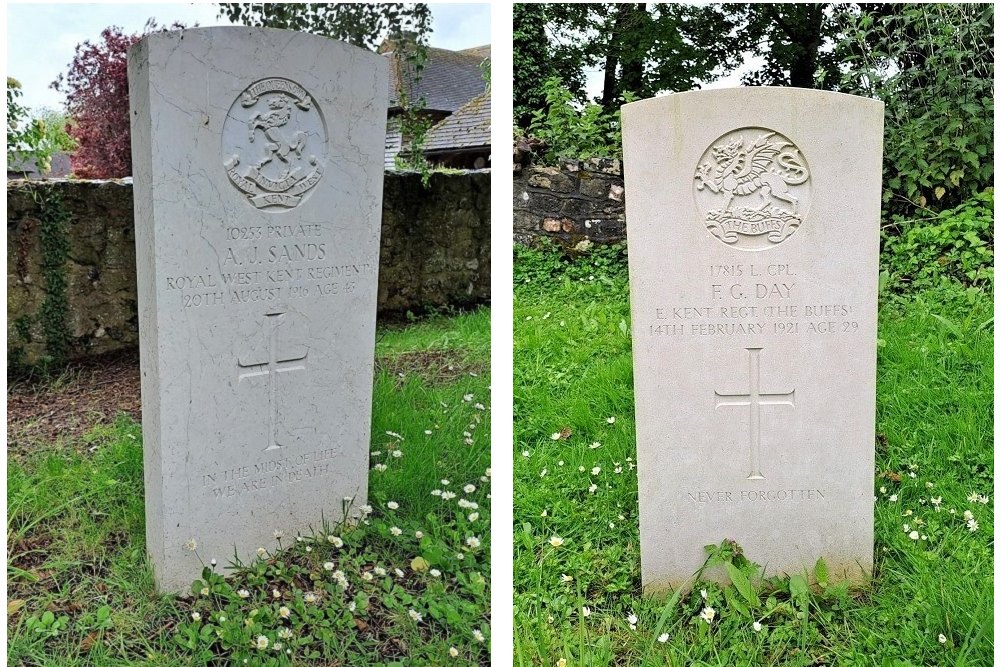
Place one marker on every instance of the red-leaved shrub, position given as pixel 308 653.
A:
pixel 96 88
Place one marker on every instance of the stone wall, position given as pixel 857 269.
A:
pixel 435 252
pixel 578 200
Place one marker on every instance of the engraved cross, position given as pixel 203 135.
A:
pixel 277 362
pixel 754 399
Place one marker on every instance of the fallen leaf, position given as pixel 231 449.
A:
pixel 88 642
pixel 14 606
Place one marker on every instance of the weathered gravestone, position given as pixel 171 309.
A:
pixel 753 228
pixel 258 167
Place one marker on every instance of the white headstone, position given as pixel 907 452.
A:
pixel 258 168
pixel 753 229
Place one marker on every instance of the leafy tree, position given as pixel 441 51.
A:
pixel 413 123
pixel 795 40
pixel 362 24
pixel 16 115
pixel 531 60
pixel 933 66
pixel 34 135
pixel 96 88
pixel 643 48
pixel 53 137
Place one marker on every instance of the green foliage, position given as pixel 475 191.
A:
pixel 537 268
pixel 933 66
pixel 33 136
pixel 574 132
pixel 531 63
pixel 575 478
pixel 16 115
pixel 53 313
pixel 793 40
pixel 22 328
pixel 487 68
pixel 52 317
pixel 333 586
pixel 955 245
pixel 643 48
pixel 54 139
pixel 648 48
pixel 361 24
pixel 47 625
pixel 414 124
pixel 76 544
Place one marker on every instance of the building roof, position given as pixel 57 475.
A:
pixel 468 127
pixel 481 51
pixel 448 80
pixel 393 143
pixel 28 168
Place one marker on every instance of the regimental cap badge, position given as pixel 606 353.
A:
pixel 752 187
pixel 274 144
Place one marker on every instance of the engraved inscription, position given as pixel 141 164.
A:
pixel 268 360
pixel 268 284
pixel 268 473
pixel 754 495
pixel 754 398
pixel 753 299
pixel 752 187
pixel 274 144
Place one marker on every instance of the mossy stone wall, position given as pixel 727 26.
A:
pixel 435 253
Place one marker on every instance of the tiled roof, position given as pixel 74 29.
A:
pixel 481 51
pixel 449 78
pixel 469 127
pixel 393 143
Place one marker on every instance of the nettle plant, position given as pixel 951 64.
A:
pixel 573 131
pixel 932 65
pixel 327 597
pixel 954 246
pixel 782 609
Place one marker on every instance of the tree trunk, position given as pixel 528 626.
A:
pixel 610 91
pixel 632 57
pixel 803 69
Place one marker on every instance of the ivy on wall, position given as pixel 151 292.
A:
pixel 52 315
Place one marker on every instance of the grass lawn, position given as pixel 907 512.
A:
pixel 407 586
pixel 931 600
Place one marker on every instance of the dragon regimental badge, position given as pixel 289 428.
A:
pixel 752 185
pixel 274 144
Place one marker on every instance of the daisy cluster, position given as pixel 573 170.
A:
pixel 376 577
pixel 922 512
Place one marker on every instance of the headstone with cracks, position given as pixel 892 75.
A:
pixel 258 167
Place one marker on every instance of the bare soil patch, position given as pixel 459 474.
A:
pixel 436 367
pixel 87 393
pixel 92 392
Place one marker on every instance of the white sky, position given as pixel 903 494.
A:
pixel 594 83
pixel 41 37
